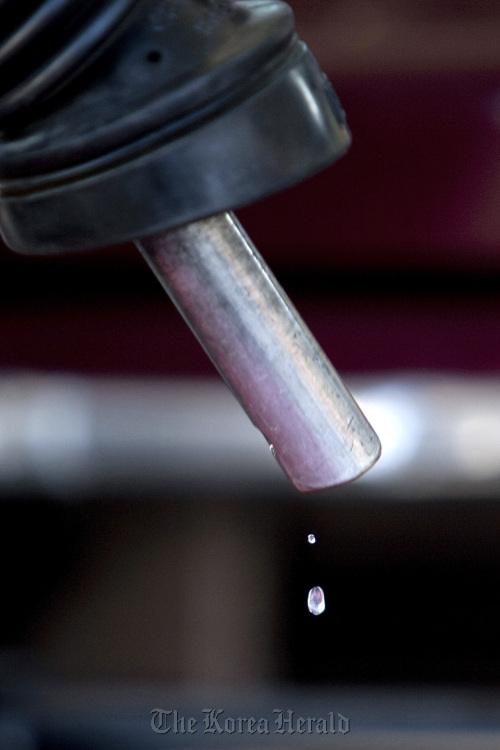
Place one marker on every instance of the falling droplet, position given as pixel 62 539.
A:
pixel 316 600
pixel 311 539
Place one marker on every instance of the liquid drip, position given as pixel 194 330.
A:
pixel 316 600
pixel 311 539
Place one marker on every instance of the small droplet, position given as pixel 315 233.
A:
pixel 311 539
pixel 272 449
pixel 316 600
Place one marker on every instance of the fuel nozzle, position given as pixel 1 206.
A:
pixel 152 119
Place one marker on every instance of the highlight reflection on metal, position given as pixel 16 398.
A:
pixel 264 351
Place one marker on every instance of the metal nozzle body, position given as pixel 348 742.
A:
pixel 264 351
pixel 132 118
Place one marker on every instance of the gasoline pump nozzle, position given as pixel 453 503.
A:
pixel 126 119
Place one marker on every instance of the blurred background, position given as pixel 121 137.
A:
pixel 147 538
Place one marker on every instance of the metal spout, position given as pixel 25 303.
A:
pixel 264 351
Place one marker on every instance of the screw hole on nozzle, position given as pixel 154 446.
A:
pixel 154 56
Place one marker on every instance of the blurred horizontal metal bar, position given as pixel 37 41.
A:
pixel 108 716
pixel 78 437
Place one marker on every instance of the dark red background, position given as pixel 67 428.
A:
pixel 392 254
